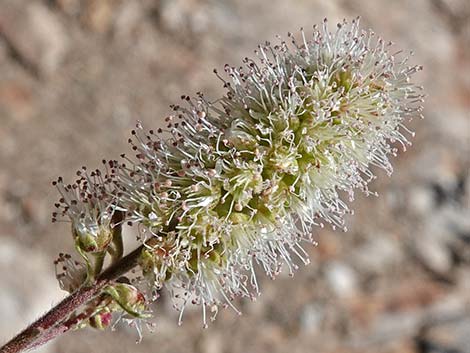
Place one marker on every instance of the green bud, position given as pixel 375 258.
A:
pixel 128 298
pixel 93 241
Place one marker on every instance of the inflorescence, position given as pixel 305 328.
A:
pixel 239 183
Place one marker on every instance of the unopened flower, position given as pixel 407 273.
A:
pixel 102 319
pixel 230 185
pixel 128 298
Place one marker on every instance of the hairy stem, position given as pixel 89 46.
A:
pixel 59 319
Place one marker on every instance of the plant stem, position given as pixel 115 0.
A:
pixel 58 320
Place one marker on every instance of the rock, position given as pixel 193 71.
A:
pixel 184 17
pixel 456 12
pixel 329 246
pixel 70 7
pixel 128 16
pixel 390 327
pixel 444 309
pixel 433 248
pixel 466 197
pixel 437 166
pixel 434 255
pixel 341 278
pixel 457 220
pixel 16 99
pixel 378 254
pixel 3 52
pixel 211 343
pixel 458 223
pixel 97 15
pixel 311 318
pixel 449 337
pixel 450 228
pixel 35 34
pixel 457 127
pixel 421 200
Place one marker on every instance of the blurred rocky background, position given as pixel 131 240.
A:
pixel 75 75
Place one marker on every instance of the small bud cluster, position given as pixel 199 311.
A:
pixel 239 183
pixel 122 299
pixel 90 205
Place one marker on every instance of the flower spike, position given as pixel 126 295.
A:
pixel 246 178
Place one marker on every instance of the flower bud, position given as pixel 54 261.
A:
pixel 128 298
pixel 92 239
pixel 102 320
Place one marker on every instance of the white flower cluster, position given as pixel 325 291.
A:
pixel 239 183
